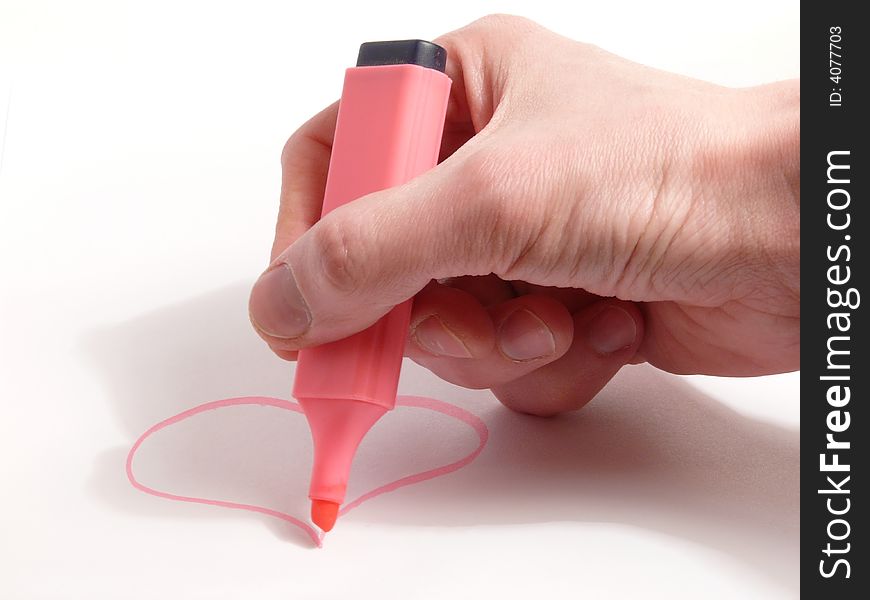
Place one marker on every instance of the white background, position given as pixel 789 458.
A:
pixel 138 185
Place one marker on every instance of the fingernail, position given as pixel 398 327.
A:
pixel 277 307
pixel 611 330
pixel 524 336
pixel 435 337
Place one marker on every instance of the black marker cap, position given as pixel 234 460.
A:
pixel 402 52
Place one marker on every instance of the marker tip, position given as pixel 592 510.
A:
pixel 324 513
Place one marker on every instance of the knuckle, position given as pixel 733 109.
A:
pixel 503 21
pixel 287 149
pixel 502 207
pixel 339 250
pixel 480 173
pixel 481 176
pixel 498 32
pixel 296 146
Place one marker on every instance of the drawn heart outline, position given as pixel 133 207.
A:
pixel 450 410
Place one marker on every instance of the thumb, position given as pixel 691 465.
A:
pixel 365 257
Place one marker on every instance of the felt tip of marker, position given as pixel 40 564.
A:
pixel 324 513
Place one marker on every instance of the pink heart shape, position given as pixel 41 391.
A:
pixel 438 406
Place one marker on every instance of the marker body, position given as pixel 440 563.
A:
pixel 390 122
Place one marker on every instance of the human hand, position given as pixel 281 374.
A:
pixel 588 212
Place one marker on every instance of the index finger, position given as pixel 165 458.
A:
pixel 304 165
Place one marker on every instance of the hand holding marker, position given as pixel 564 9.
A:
pixel 591 212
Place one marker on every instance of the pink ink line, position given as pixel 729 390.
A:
pixel 460 414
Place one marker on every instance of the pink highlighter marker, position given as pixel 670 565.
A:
pixel 390 121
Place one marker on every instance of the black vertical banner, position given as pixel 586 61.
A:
pixel 835 370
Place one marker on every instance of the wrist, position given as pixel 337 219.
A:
pixel 757 179
pixel 774 142
pixel 777 158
